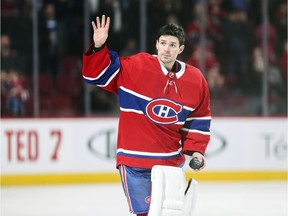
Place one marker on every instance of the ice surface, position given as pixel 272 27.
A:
pixel 214 199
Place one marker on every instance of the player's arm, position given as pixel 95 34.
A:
pixel 101 66
pixel 196 130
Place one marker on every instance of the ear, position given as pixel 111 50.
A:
pixel 156 45
pixel 181 48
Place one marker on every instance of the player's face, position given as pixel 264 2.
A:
pixel 168 48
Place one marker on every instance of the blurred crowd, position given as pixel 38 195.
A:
pixel 223 39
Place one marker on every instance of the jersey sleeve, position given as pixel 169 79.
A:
pixel 101 68
pixel 196 130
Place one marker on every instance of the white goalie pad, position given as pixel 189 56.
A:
pixel 190 197
pixel 169 195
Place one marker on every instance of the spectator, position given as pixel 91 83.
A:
pixel 216 81
pixel 130 48
pixel 70 15
pixel 16 94
pixel 163 9
pixel 237 42
pixel 161 12
pixel 50 33
pixel 193 27
pixel 208 24
pixel 272 39
pixel 216 13
pixel 103 102
pixel 23 27
pixel 9 9
pixel 209 58
pixel 9 56
pixel 113 8
pixel 172 18
pixel 274 76
pixel 279 21
pixel 4 90
pixel 282 62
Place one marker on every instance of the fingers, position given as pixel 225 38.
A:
pixel 103 23
pixel 98 25
pixel 93 26
pixel 107 22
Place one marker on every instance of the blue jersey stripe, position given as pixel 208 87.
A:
pixel 198 124
pixel 130 101
pixel 133 101
pixel 110 71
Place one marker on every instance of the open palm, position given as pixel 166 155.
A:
pixel 100 30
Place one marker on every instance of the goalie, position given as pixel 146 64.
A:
pixel 164 114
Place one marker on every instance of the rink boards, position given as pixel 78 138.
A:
pixel 83 150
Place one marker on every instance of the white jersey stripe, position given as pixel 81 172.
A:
pixel 199 118
pixel 131 110
pixel 196 131
pixel 153 154
pixel 147 98
pixel 109 80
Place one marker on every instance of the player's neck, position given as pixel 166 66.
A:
pixel 174 67
pixel 170 66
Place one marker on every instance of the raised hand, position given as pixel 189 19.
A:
pixel 100 30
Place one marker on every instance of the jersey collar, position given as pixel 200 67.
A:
pixel 181 68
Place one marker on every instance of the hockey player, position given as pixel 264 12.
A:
pixel 164 107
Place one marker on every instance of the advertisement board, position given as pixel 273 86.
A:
pixel 88 145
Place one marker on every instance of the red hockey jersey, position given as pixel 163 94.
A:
pixel 163 114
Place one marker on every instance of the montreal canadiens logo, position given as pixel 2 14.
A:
pixel 163 111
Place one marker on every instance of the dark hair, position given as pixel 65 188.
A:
pixel 172 30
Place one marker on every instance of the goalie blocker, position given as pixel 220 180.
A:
pixel 169 195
